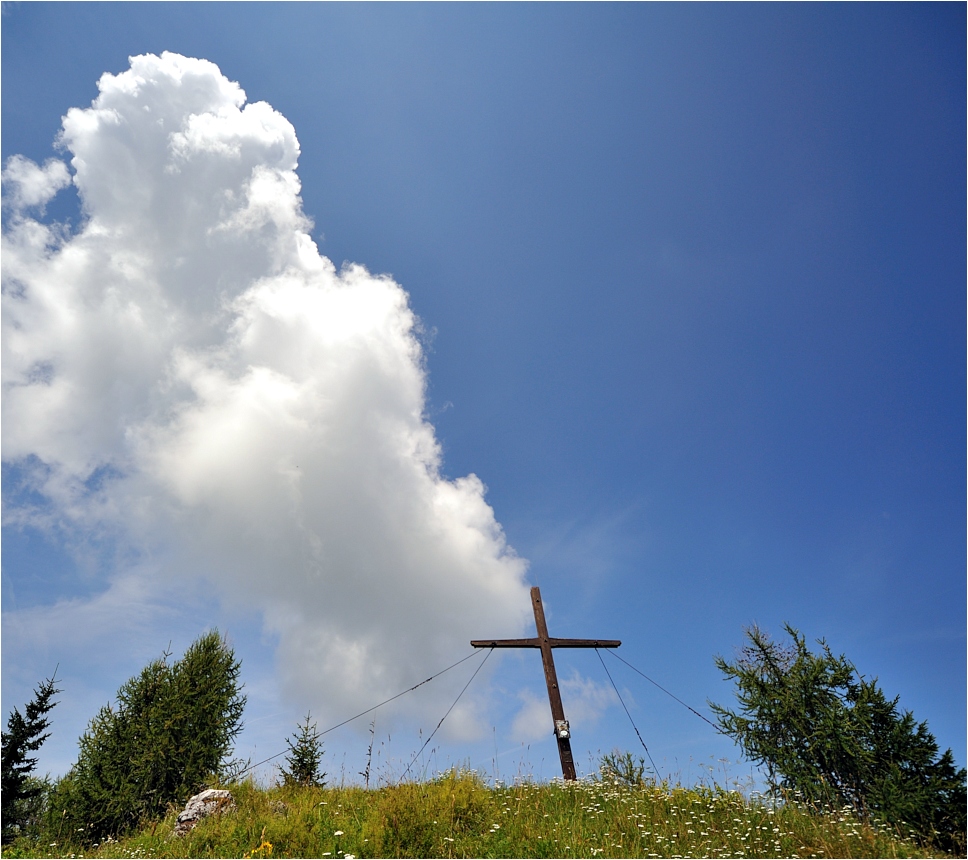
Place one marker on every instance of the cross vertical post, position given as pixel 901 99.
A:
pixel 562 732
pixel 546 643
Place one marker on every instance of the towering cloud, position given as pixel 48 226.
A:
pixel 185 375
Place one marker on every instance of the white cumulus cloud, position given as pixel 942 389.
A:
pixel 28 185
pixel 186 375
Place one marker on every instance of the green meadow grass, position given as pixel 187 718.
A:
pixel 457 815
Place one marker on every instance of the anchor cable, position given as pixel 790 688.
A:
pixel 664 690
pixel 655 770
pixel 368 710
pixel 444 717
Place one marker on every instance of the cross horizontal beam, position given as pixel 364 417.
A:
pixel 554 643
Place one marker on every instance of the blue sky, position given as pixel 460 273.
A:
pixel 690 282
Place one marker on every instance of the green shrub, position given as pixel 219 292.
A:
pixel 622 769
pixel 413 819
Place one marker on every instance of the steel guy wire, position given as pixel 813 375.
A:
pixel 655 770
pixel 444 717
pixel 664 690
pixel 368 710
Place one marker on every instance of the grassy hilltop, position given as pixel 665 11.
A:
pixel 457 815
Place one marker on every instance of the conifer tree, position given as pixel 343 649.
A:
pixel 830 736
pixel 25 734
pixel 169 732
pixel 305 756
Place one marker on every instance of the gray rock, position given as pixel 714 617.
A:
pixel 210 801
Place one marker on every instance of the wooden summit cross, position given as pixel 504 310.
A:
pixel 546 643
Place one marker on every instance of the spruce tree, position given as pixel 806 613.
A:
pixel 305 756
pixel 25 734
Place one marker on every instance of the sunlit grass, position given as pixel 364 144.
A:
pixel 457 815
